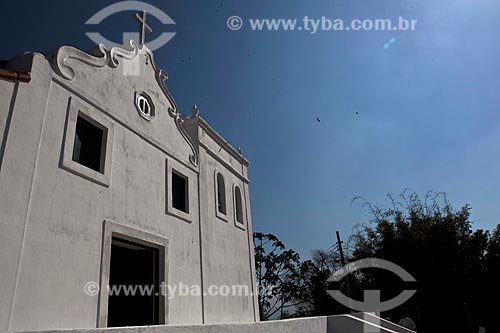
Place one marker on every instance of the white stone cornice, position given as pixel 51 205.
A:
pixel 65 53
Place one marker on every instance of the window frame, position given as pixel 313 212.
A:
pixel 191 193
pixel 222 216
pixel 78 109
pixel 112 229
pixel 238 224
pixel 137 98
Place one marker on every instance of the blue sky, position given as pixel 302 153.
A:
pixel 423 113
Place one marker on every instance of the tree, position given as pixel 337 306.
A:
pixel 436 244
pixel 316 273
pixel 279 276
pixel 456 267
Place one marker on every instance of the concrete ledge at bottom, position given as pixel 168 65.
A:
pixel 381 322
pixel 351 323
pixel 299 325
pixel 362 323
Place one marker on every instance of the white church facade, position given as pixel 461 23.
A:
pixel 105 185
pixel 104 182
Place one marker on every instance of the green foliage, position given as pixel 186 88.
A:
pixel 321 266
pixel 279 276
pixel 456 267
pixel 451 262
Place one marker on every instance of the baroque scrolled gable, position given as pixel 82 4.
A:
pixel 101 57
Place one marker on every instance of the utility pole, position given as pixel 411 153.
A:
pixel 342 261
pixel 339 243
pixel 469 318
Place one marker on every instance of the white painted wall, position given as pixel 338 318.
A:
pixel 51 220
pixel 17 174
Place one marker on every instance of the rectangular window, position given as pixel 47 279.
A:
pixel 88 145
pixel 180 192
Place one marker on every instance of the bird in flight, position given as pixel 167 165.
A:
pixel 318 120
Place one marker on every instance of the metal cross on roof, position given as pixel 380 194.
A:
pixel 144 26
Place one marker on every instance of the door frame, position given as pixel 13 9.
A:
pixel 113 229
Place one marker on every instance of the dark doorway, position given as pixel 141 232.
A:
pixel 133 267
